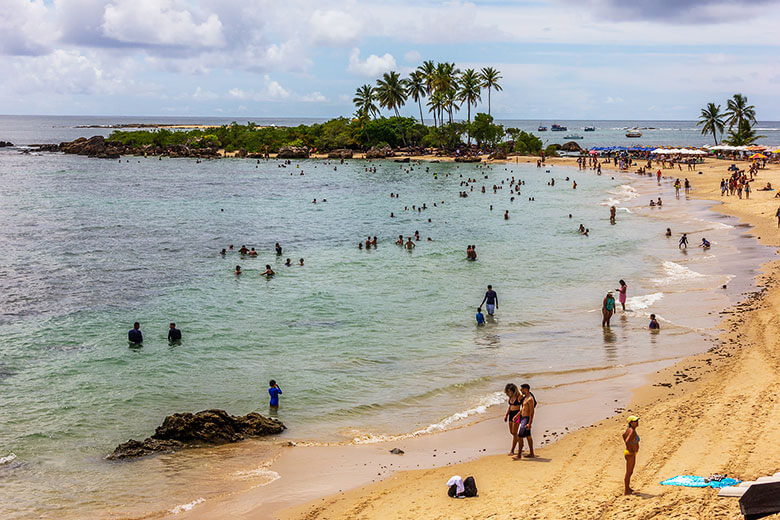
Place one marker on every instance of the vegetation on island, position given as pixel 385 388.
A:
pixel 739 117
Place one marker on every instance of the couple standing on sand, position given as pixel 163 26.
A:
pixel 520 416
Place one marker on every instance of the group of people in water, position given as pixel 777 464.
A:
pixel 251 253
pixel 136 338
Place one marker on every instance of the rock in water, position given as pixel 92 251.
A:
pixel 397 451
pixel 293 152
pixel 188 430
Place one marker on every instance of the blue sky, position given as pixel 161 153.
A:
pixel 575 59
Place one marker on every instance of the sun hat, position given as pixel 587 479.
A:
pixel 632 419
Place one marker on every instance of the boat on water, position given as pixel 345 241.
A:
pixel 541 128
pixel 572 137
pixel 590 128
pixel 633 134
pixel 558 128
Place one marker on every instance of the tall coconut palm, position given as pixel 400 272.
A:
pixel 391 94
pixel 738 110
pixel 711 121
pixel 436 104
pixel 446 79
pixel 469 90
pixel 428 70
pixel 365 100
pixel 451 100
pixel 415 89
pixel 490 78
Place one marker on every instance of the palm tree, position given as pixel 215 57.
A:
pixel 738 110
pixel 490 78
pixel 436 104
pixel 446 79
pixel 391 93
pixel 365 100
pixel 744 135
pixel 711 121
pixel 450 100
pixel 428 70
pixel 470 87
pixel 415 89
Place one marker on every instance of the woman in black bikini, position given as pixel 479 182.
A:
pixel 515 405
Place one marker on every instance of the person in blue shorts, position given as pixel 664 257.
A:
pixel 274 391
pixel 480 316
pixel 490 301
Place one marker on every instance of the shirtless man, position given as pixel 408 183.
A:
pixel 526 418
pixel 400 240
pixel 409 244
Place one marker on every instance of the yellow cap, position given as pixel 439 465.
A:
pixel 633 418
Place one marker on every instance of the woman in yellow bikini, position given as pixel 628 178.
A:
pixel 631 439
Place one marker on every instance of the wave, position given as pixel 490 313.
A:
pixel 644 301
pixel 677 273
pixel 8 458
pixel 261 472
pixel 625 191
pixel 181 508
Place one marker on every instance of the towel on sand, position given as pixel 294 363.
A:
pixel 692 481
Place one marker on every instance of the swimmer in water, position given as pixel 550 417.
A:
pixel 237 271
pixel 300 262
pixel 243 250
pixel 287 263
pixel 223 252
pixel 252 252
pixel 400 240
pixel 705 244
pixel 668 232
pixel 683 241
pixel 268 271
pixel 654 323
pixel 278 249
pixel 409 244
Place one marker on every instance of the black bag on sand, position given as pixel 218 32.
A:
pixel 469 488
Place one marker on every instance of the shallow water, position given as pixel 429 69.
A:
pixel 363 343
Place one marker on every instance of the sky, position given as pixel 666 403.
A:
pixel 568 59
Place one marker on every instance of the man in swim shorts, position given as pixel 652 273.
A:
pixel 526 418
pixel 490 301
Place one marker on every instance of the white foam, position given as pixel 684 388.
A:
pixel 482 406
pixel 8 458
pixel 676 273
pixel 644 301
pixel 624 192
pixel 187 507
pixel 261 472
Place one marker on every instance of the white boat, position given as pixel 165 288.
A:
pixel 573 137
pixel 634 134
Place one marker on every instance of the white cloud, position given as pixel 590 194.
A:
pixel 372 66
pixel 315 97
pixel 272 91
pixel 25 28
pixel 412 57
pixel 161 22
pixel 331 27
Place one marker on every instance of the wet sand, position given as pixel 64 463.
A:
pixel 711 413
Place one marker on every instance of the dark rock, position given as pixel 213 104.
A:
pixel 49 147
pixel 187 430
pixel 340 154
pixel 379 153
pixel 95 146
pixel 499 155
pixel 241 154
pixel 571 146
pixel 404 160
pixel 397 451
pixel 293 152
pixel 4 144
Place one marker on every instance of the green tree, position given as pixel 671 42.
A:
pixel 446 82
pixel 415 89
pixel 365 100
pixel 428 70
pixel 744 135
pixel 435 105
pixel 469 92
pixel 485 132
pixel 711 121
pixel 391 93
pixel 490 78
pixel 738 110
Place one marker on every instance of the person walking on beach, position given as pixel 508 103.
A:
pixel 631 440
pixel 525 420
pixel 515 405
pixel 683 241
pixel 134 335
pixel 622 294
pixel 274 391
pixel 490 301
pixel 777 214
pixel 607 309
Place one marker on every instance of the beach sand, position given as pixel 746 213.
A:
pixel 716 412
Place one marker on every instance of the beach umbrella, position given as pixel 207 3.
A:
pixel 758 156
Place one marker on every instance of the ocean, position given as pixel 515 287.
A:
pixel 366 345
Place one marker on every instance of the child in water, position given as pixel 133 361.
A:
pixel 274 391
pixel 480 316
pixel 654 323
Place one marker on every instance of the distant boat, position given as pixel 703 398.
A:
pixel 590 128
pixel 633 134
pixel 572 137
pixel 558 128
pixel 541 128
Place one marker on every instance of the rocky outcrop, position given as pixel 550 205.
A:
pixel 340 154
pixel 379 153
pixel 98 146
pixel 571 146
pixel 4 144
pixel 293 152
pixel 468 159
pixel 49 147
pixel 498 155
pixel 404 160
pixel 95 146
pixel 188 430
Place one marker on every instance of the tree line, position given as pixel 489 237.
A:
pixel 739 117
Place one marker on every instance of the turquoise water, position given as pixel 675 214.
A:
pixel 362 342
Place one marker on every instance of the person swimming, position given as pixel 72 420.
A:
pixel 654 323
pixel 237 271
pixel 268 271
pixel 287 263
pixel 705 243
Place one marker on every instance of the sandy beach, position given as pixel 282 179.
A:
pixel 711 413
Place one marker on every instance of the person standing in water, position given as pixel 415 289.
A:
pixel 607 309
pixel 490 301
pixel 274 391
pixel 631 440
pixel 174 334
pixel 622 293
pixel 480 316
pixel 612 213
pixel 683 241
pixel 515 405
pixel 135 336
